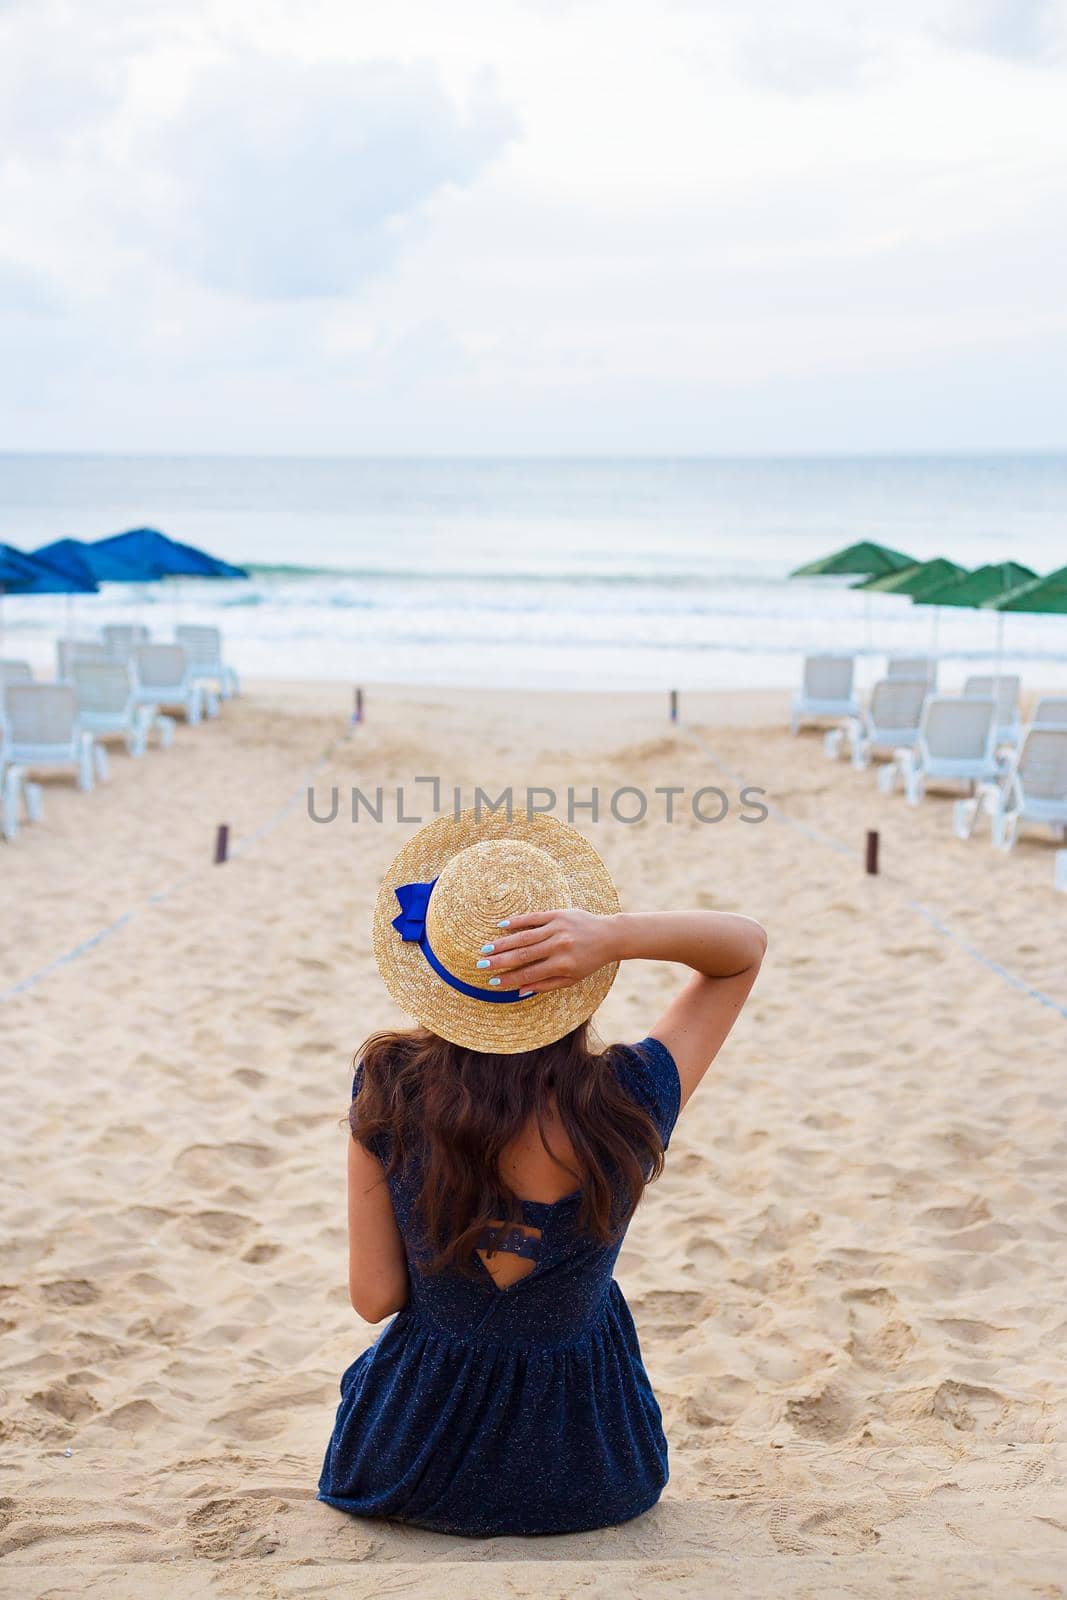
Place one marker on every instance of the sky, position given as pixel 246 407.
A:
pixel 533 226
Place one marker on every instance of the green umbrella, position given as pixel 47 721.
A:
pixel 913 579
pixel 1040 594
pixel 980 588
pixel 865 559
pixel 916 580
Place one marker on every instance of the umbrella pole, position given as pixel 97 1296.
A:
pixel 1000 653
pixel 867 618
pixel 933 631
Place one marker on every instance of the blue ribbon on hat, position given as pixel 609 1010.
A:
pixel 410 923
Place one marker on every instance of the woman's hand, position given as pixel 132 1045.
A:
pixel 545 950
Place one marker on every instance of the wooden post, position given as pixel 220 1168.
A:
pixel 222 843
pixel 357 710
pixel 872 853
pixel 674 705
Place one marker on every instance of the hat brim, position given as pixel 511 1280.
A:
pixel 487 1026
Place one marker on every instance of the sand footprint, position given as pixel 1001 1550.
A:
pixel 68 1401
pixel 826 1413
pixel 667 1313
pixel 215 1230
pixel 70 1292
pixel 206 1166
pixel 234 1529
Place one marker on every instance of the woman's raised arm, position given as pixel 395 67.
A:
pixel 550 950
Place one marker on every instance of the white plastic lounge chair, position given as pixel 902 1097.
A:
pixel 122 638
pixel 1052 708
pixel 1005 690
pixel 890 721
pixel 164 679
pixel 1035 789
pixel 203 646
pixel 70 650
pixel 912 667
pixel 109 708
pixel 955 745
pixel 15 788
pixel 826 692
pixel 45 733
pixel 15 672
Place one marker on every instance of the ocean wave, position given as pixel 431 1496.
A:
pixel 563 575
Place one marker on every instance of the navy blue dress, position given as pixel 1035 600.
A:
pixel 525 1410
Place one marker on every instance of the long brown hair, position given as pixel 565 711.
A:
pixel 461 1108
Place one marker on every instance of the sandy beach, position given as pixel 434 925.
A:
pixel 848 1283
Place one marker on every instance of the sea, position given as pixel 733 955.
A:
pixel 606 573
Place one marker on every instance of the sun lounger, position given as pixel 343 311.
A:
pixel 109 707
pixel 912 667
pixel 890 720
pixel 1005 690
pixel 45 733
pixel 1052 708
pixel 955 745
pixel 70 650
pixel 122 638
pixel 15 672
pixel 203 647
pixel 15 790
pixel 826 692
pixel 163 679
pixel 1034 789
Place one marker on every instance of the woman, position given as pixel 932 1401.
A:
pixel 496 1158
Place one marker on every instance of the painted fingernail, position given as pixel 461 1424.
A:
pixel 524 994
pixel 493 982
pixel 487 949
pixel 481 963
pixel 505 924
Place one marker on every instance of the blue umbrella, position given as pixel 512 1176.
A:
pixel 159 556
pixel 25 574
pixel 10 570
pixel 82 559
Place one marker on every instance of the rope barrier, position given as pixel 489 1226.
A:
pixel 26 984
pixel 815 835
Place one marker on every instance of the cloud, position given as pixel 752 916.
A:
pixel 798 58
pixel 807 47
pixel 51 89
pixel 287 180
pixel 1016 30
pixel 26 292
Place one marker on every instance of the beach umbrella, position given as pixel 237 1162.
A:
pixel 865 559
pixel 978 589
pixel 975 588
pixel 155 555
pixel 159 556
pixel 914 579
pixel 24 574
pixel 79 556
pixel 77 559
pixel 1047 594
pixel 917 579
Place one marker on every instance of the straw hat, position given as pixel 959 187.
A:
pixel 444 897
